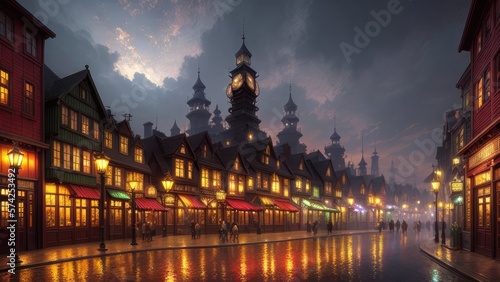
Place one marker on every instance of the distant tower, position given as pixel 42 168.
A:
pixel 392 174
pixel 290 134
pixel 217 126
pixel 175 130
pixel 374 168
pixel 198 109
pixel 335 151
pixel 362 164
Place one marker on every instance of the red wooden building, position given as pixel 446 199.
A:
pixel 481 37
pixel 22 39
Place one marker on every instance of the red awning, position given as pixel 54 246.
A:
pixel 285 205
pixel 149 204
pixel 85 192
pixel 191 202
pixel 242 205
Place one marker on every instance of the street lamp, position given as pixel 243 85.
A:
pixel 15 161
pixel 101 163
pixel 133 184
pixel 220 196
pixel 435 187
pixel 378 203
pixel 350 201
pixel 168 183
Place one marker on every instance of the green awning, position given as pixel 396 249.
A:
pixel 317 206
pixel 117 194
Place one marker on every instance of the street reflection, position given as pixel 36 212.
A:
pixel 357 257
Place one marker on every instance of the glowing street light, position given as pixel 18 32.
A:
pixel 101 163
pixel 435 187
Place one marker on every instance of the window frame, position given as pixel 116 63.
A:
pixel 5 93
pixel 29 100
pixel 30 42
pixel 8 26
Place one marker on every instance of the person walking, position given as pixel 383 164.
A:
pixel 193 230
pixel 197 229
pixel 398 225
pixel 330 227
pixel 235 232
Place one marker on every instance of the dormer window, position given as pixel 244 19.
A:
pixel 329 172
pixel 138 152
pixel 301 166
pixel 83 94
pixel 236 164
pixel 124 145
pixel 278 164
pixel 182 149
pixel 204 151
pixel 265 156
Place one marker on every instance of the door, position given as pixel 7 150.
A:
pixel 483 239
pixel 497 207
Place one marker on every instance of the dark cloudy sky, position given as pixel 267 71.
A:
pixel 392 84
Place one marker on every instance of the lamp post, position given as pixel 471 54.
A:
pixel 378 203
pixel 15 161
pixel 168 183
pixel 435 187
pixel 101 163
pixel 133 184
pixel 220 196
pixel 350 202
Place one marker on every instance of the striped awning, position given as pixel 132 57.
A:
pixel 266 201
pixel 85 192
pixel 117 194
pixel 191 202
pixel 285 205
pixel 317 206
pixel 242 205
pixel 149 204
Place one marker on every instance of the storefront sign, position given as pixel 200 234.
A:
pixel 457 186
pixel 488 151
pixel 20 183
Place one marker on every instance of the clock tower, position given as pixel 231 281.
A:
pixel 243 92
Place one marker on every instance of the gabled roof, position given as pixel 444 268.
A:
pixel 378 185
pixel 315 156
pixel 250 151
pixel 356 183
pixel 196 140
pixel 294 163
pixel 58 88
pixel 229 155
pixel 124 128
pixel 27 15
pixel 474 19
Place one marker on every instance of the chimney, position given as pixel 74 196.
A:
pixel 148 129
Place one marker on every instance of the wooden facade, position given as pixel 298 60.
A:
pixel 481 38
pixel 22 48
pixel 74 130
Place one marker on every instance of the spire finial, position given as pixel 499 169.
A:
pixel 362 144
pixel 243 37
pixel 334 123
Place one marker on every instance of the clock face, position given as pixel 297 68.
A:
pixel 257 89
pixel 250 82
pixel 237 82
pixel 229 91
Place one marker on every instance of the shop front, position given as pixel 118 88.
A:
pixel 482 197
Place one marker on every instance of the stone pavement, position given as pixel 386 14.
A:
pixel 471 265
